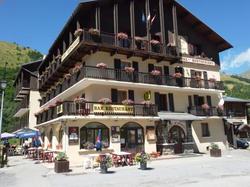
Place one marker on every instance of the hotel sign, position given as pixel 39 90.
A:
pixel 198 61
pixel 71 48
pixel 118 109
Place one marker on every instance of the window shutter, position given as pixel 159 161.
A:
pixel 171 102
pixel 157 99
pixel 135 66
pixel 166 70
pixel 131 95
pixel 209 101
pixel 196 98
pixel 150 67
pixel 117 63
pixel 114 95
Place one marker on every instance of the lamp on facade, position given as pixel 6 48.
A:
pixel 3 85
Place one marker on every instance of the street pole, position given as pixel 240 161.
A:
pixel 1 113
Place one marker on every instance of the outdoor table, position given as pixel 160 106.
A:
pixel 31 152
pixel 122 158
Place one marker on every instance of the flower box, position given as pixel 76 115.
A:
pixel 122 36
pixel 177 75
pixel 127 102
pixel 155 72
pixel 78 32
pixel 205 106
pixel 105 100
pixel 95 35
pixel 101 65
pixel 129 69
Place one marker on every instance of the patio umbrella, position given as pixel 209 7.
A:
pixel 98 141
pixel 27 133
pixel 7 135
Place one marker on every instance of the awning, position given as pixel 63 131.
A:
pixel 27 133
pixel 234 121
pixel 178 116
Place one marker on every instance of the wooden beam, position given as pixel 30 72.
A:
pixel 162 24
pixel 147 8
pixel 160 59
pixel 145 57
pixel 112 53
pixel 132 22
pixel 115 21
pixel 97 17
pixel 130 54
pixel 175 26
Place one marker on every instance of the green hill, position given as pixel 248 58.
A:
pixel 246 74
pixel 15 55
pixel 236 86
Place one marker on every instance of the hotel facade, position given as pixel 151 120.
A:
pixel 144 73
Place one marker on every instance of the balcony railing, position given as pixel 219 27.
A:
pixel 22 104
pixel 21 86
pixel 199 111
pixel 135 77
pixel 70 108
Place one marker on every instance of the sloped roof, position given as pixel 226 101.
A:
pixel 235 99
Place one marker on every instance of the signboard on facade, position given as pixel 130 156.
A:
pixel 73 135
pixel 71 48
pixel 119 109
pixel 59 109
pixel 115 134
pixel 150 130
pixel 198 61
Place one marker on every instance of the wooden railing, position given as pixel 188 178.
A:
pixel 22 85
pixel 199 111
pixel 70 108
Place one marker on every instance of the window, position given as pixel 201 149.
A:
pixel 205 130
pixel 121 95
pixel 89 133
pixel 125 64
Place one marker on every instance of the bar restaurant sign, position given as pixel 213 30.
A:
pixel 71 48
pixel 198 61
pixel 119 109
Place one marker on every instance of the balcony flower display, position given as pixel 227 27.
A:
pixel 146 102
pixel 95 35
pixel 177 75
pixel 129 69
pixel 105 100
pixel 78 32
pixel 205 106
pixel 80 100
pixel 155 44
pixel 77 68
pixel 67 76
pixel 101 65
pixel 127 102
pixel 123 40
pixel 122 36
pixel 155 72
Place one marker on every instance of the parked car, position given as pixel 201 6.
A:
pixel 242 144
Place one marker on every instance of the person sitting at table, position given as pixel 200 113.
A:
pixel 36 142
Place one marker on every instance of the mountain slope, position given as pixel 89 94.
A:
pixel 15 55
pixel 246 74
pixel 236 86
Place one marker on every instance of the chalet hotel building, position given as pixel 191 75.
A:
pixel 143 72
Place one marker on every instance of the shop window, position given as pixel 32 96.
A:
pixel 89 133
pixel 205 130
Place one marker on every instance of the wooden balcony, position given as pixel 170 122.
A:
pixel 22 89
pixel 87 44
pixel 22 107
pixel 71 108
pixel 199 111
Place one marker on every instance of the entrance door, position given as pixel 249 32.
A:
pixel 177 136
pixel 131 138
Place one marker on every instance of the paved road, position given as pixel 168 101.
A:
pixel 233 169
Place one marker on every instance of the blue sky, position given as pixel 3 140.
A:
pixel 36 23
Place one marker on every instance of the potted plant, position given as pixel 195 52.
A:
pixel 105 100
pixel 101 65
pixel 61 163
pixel 155 44
pixel 105 162
pixel 129 69
pixel 215 151
pixel 142 158
pixel 123 40
pixel 127 102
pixel 177 75
pixel 138 42
pixel 95 35
pixel 77 68
pixel 155 72
pixel 78 32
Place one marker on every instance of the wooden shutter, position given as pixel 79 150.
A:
pixel 131 95
pixel 166 70
pixel 190 104
pixel 135 66
pixel 117 63
pixel 171 102
pixel 150 67
pixel 157 99
pixel 209 100
pixel 114 95
pixel 196 98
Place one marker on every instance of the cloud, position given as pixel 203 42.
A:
pixel 231 61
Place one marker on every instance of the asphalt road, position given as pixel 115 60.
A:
pixel 233 169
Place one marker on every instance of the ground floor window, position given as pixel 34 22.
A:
pixel 89 133
pixel 205 130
